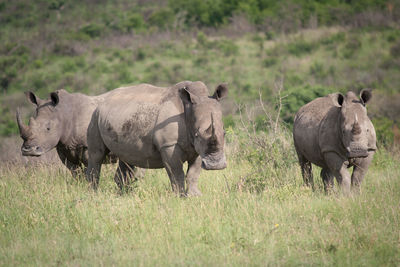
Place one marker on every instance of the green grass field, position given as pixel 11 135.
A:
pixel 47 218
pixel 257 212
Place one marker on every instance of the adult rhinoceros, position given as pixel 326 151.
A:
pixel 335 133
pixel 155 127
pixel 61 122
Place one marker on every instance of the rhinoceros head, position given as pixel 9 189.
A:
pixel 355 125
pixel 44 129
pixel 205 126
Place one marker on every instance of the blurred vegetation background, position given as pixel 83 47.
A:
pixel 290 51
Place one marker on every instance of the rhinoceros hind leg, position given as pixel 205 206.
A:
pixel 327 178
pixel 124 175
pixel 173 164
pixel 192 176
pixel 306 171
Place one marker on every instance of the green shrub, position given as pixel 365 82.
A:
pixel 229 121
pixel 134 21
pixel 301 47
pixel 384 133
pixel 395 50
pixel 318 70
pixel 8 125
pixel 162 18
pixel 227 47
pixel 56 4
pixel 352 46
pixel 298 97
pixel 334 39
pixel 202 40
pixel 269 62
pixel 92 30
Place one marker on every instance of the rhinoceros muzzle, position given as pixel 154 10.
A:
pixel 213 162
pixel 356 152
pixel 32 151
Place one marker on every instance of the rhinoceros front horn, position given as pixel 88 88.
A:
pixel 23 129
pixel 212 127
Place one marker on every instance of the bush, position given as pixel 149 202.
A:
pixel 162 18
pixel 269 62
pixel 92 30
pixel 298 97
pixel 134 21
pixel 384 133
pixel 8 125
pixel 268 148
pixel 352 46
pixel 227 47
pixel 301 47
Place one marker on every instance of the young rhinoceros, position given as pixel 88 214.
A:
pixel 335 133
pixel 155 127
pixel 61 122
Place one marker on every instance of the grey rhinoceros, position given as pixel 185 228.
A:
pixel 155 127
pixel 61 122
pixel 335 133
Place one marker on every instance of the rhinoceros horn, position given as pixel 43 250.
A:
pixel 23 129
pixel 356 127
pixel 212 127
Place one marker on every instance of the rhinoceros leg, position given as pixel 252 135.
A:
pixel 124 175
pixel 73 168
pixel 97 151
pixel 306 171
pixel 171 157
pixel 192 176
pixel 327 178
pixel 359 170
pixel 338 168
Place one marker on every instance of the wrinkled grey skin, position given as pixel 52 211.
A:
pixel 61 122
pixel 154 127
pixel 335 133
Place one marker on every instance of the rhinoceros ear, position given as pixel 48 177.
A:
pixel 54 98
pixel 221 91
pixel 340 99
pixel 32 98
pixel 187 97
pixel 365 95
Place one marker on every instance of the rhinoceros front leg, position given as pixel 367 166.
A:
pixel 338 168
pixel 192 176
pixel 360 169
pixel 124 175
pixel 327 178
pixel 171 157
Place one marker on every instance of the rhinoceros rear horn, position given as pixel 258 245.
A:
pixel 23 129
pixel 365 95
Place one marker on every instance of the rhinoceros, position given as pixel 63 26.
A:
pixel 335 133
pixel 61 122
pixel 160 127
